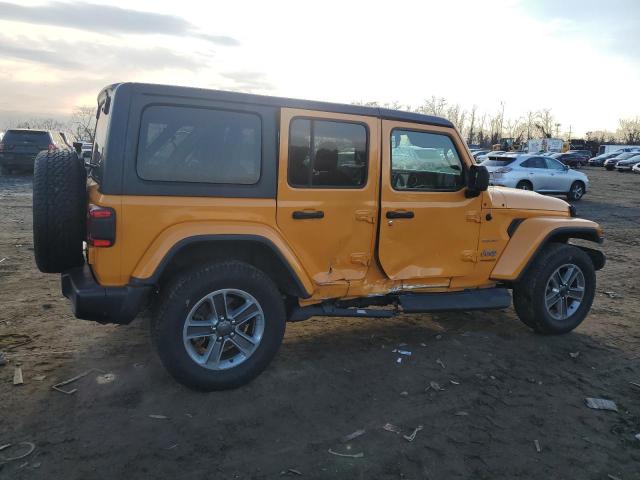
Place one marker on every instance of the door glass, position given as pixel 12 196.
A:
pixel 535 162
pixel 327 154
pixel 424 161
pixel 554 164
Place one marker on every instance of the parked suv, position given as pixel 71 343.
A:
pixel 538 173
pixel 19 147
pixel 229 214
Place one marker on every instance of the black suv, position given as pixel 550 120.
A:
pixel 19 147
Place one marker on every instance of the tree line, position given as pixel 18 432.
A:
pixel 81 124
pixel 487 129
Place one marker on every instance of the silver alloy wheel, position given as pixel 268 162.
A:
pixel 577 191
pixel 564 292
pixel 223 329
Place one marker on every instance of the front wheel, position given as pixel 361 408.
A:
pixel 557 290
pixel 576 191
pixel 219 326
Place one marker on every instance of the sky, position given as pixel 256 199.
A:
pixel 578 58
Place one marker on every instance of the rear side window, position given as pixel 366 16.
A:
pixel 498 162
pixel 424 161
pixel 327 154
pixel 182 144
pixel 27 137
pixel 535 162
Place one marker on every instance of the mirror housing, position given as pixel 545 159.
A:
pixel 77 146
pixel 477 180
pixel 565 166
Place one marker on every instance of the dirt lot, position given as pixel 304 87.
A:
pixel 502 386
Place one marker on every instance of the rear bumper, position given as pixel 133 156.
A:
pixel 92 301
pixel 17 160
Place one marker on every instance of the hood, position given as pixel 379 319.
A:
pixel 503 197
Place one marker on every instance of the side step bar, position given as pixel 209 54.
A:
pixel 477 299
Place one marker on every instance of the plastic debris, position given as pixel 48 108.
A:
pixel 453 382
pixel 611 294
pixel 404 394
pixel 601 404
pixel 440 362
pixel 171 447
pixel 399 360
pixel 353 435
pixel 58 386
pixel 106 378
pixel 637 435
pixel 436 386
pixel 637 385
pixel 294 471
pixel 3 259
pixel 613 477
pixel 348 455
pixel 30 448
pixel 461 414
pixel 574 354
pixel 537 444
pixel 412 436
pixel 402 352
pixel 390 427
pixel 423 344
pixel 17 376
pixel 39 378
pixel 159 417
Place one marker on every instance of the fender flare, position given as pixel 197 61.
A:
pixel 524 246
pixel 297 275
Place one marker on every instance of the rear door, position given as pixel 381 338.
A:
pixel 536 171
pixel 328 192
pixel 429 229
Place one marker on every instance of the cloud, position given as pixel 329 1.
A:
pixel 106 19
pixel 248 81
pixel 90 56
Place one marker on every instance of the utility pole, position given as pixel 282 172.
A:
pixel 569 134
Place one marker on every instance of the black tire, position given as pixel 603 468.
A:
pixel 184 291
pixel 609 167
pixel 59 210
pixel 525 185
pixel 529 292
pixel 576 191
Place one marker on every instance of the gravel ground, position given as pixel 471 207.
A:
pixel 502 389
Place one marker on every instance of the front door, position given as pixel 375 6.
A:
pixel 328 191
pixel 429 230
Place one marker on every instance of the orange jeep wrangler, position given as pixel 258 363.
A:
pixel 229 214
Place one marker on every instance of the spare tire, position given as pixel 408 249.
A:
pixel 59 210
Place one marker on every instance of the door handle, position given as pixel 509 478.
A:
pixel 302 214
pixel 399 214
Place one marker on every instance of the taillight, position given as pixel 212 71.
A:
pixel 101 226
pixel 503 170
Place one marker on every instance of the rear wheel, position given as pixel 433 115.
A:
pixel 557 291
pixel 219 326
pixel 524 185
pixel 576 191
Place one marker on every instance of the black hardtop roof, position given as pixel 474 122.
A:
pixel 221 95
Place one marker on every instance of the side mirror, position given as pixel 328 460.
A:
pixel 77 146
pixel 477 180
pixel 566 167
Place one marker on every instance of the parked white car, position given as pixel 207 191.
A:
pixel 538 173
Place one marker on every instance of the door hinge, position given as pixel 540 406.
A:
pixel 360 259
pixel 473 216
pixel 469 256
pixel 364 216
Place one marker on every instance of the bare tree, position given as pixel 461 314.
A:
pixel 629 130
pixel 40 124
pixel 83 123
pixel 545 122
pixel 472 124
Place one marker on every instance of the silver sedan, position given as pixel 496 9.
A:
pixel 538 173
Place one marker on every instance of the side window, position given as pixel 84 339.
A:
pixel 535 162
pixel 327 154
pixel 553 164
pixel 181 144
pixel 424 161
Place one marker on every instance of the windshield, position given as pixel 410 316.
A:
pixel 100 137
